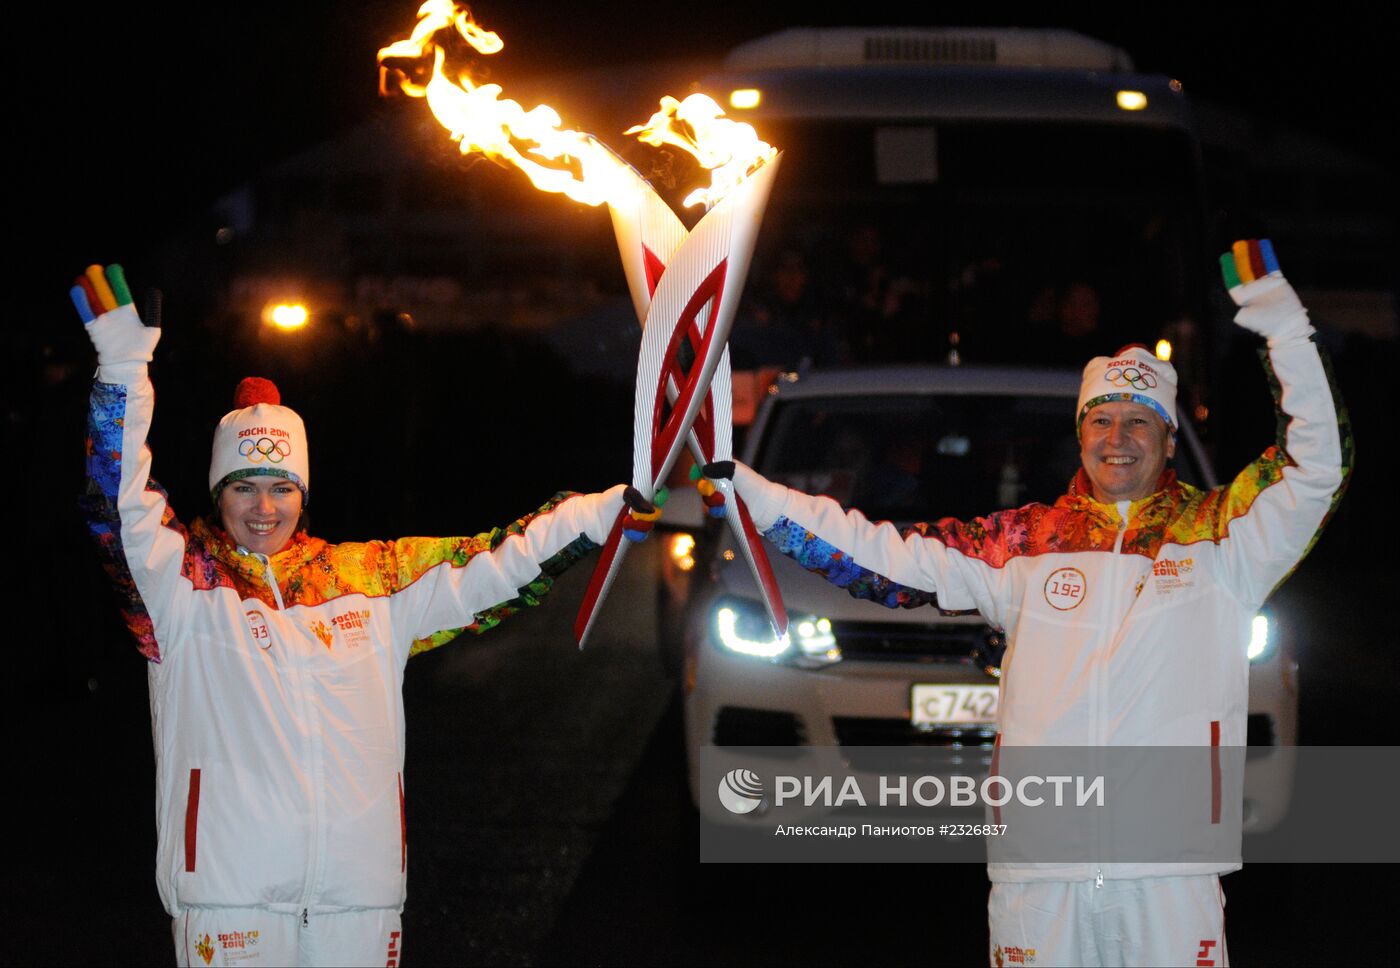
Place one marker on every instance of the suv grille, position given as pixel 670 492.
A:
pixel 871 731
pixel 942 643
pixel 1259 734
pixel 741 726
pixel 963 748
pixel 1259 730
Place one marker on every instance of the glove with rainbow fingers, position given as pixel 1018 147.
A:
pixel 1268 304
pixel 641 515
pixel 104 304
pixel 704 478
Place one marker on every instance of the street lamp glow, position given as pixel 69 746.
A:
pixel 681 547
pixel 1132 100
pixel 1163 350
pixel 288 316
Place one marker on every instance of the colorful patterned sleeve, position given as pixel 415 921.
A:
pixel 127 512
pixel 446 586
pixel 872 560
pixel 825 559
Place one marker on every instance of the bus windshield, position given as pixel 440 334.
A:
pixel 1004 241
pixel 911 457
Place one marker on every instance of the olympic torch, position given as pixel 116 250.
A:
pixel 685 289
pixel 685 286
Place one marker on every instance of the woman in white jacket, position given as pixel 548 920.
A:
pixel 277 659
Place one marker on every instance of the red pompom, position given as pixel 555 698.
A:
pixel 255 389
pixel 1122 350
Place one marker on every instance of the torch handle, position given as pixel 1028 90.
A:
pixel 604 574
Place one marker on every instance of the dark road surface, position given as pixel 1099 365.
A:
pixel 549 821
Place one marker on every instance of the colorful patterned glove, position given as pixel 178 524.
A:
pixel 704 478
pixel 641 515
pixel 104 304
pixel 1268 304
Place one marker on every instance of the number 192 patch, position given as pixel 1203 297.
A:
pixel 1065 588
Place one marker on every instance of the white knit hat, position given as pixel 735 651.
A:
pixel 259 436
pixel 1133 374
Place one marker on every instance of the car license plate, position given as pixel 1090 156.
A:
pixel 941 705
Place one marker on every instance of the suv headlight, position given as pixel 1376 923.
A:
pixel 741 626
pixel 1261 638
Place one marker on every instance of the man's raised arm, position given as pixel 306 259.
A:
pixel 1273 512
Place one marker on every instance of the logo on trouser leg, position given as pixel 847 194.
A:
pixel 239 946
pixel 1013 955
pixel 1203 957
pixel 204 949
pixel 392 960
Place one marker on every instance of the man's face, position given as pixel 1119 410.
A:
pixel 260 513
pixel 1124 447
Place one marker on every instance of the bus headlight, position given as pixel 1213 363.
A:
pixel 745 98
pixel 1131 100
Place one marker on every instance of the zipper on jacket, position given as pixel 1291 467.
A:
pixel 1111 616
pixel 1096 737
pixel 271 580
pixel 308 714
pixel 305 922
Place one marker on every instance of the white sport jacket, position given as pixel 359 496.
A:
pixel 1126 623
pixel 276 683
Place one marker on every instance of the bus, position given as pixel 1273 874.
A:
pixel 1008 196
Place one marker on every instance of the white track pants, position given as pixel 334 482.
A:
pixel 1151 921
pixel 206 938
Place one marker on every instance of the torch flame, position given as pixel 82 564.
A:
pixel 437 15
pixel 555 158
pixel 731 150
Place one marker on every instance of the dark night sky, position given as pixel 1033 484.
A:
pixel 130 121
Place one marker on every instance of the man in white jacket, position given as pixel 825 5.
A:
pixel 277 659
pixel 1126 606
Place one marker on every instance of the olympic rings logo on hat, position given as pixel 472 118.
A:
pixel 264 448
pixel 1131 376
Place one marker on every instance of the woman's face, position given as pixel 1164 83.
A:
pixel 260 513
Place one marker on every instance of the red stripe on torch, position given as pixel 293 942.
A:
pixel 653 267
pixel 665 431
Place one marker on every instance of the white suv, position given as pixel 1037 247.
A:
pixel 907 444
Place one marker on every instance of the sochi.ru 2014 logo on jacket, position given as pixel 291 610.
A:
pixel 1168 575
pixel 352 625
